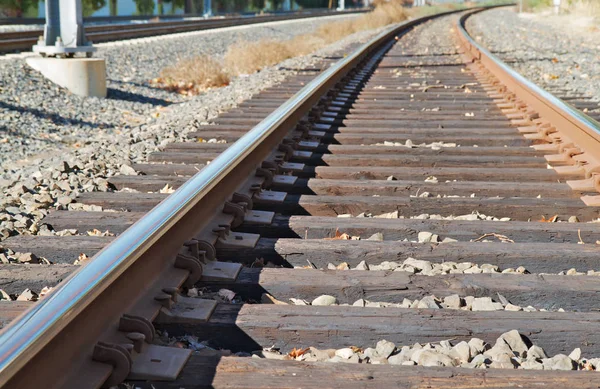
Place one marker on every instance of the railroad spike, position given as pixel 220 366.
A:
pixel 131 323
pixel 237 210
pixel 117 356
pixel 192 265
pixel 138 341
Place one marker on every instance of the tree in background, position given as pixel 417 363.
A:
pixel 112 8
pixel 144 7
pixel 18 8
pixel 91 6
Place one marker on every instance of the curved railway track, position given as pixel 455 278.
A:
pixel 271 217
pixel 24 40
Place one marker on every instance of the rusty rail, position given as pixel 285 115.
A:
pixel 575 136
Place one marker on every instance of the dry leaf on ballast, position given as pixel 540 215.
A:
pixel 339 236
pixel 266 298
pixel 167 189
pixel 297 352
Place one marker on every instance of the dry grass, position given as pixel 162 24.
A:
pixel 590 8
pixel 193 75
pixel 248 57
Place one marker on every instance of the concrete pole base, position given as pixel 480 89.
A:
pixel 82 76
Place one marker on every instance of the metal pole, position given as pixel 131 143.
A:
pixel 207 8
pixel 64 34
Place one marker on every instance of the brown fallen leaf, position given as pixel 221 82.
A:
pixel 339 236
pixel 553 219
pixel 297 352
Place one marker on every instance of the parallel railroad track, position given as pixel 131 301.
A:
pixel 24 40
pixel 268 217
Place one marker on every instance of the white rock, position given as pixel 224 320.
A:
pixel 370 353
pixel 536 352
pixel 428 302
pixel 453 301
pixel 461 352
pixel 322 355
pixel 385 348
pixel 449 240
pixel 532 365
pixel 479 360
pixel 424 237
pixel 515 342
pixel 485 304
pixel 298 301
pixel 511 307
pixel 418 264
pixel 344 353
pixel 362 265
pixel 476 345
pixel 378 236
pixel 575 354
pixel 558 362
pixel 499 352
pixel 359 303
pixel 389 215
pixel 127 170
pixel 352 359
pixel 502 365
pixel 324 300
pixel 431 358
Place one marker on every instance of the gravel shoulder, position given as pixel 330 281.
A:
pixel 558 52
pixel 54 145
pixel 36 116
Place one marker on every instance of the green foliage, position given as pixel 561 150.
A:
pixel 18 8
pixel 144 7
pixel 535 5
pixel 91 6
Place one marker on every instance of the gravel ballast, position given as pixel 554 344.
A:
pixel 559 53
pixel 56 145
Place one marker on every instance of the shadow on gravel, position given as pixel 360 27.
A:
pixel 144 85
pixel 116 94
pixel 54 118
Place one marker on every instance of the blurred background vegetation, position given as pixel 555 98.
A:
pixel 35 8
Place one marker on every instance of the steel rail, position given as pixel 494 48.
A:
pixel 583 130
pixel 24 40
pixel 27 335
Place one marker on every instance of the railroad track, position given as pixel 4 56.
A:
pixel 24 40
pixel 248 255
